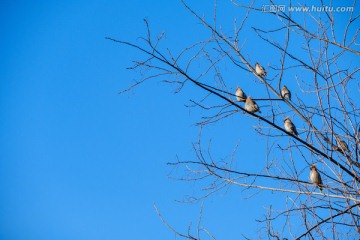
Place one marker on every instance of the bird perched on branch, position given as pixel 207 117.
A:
pixel 240 95
pixel 289 126
pixel 315 177
pixel 251 106
pixel 342 146
pixel 260 70
pixel 285 93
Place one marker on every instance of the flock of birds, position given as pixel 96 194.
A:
pixel 251 106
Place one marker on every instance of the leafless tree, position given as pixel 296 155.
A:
pixel 316 48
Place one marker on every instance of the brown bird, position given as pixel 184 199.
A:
pixel 251 106
pixel 240 95
pixel 315 177
pixel 289 126
pixel 342 146
pixel 259 70
pixel 285 93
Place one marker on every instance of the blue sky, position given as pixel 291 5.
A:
pixel 78 160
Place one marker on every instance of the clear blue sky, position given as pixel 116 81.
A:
pixel 79 161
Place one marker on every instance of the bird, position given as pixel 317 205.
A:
pixel 260 70
pixel 240 95
pixel 289 126
pixel 285 93
pixel 315 177
pixel 342 146
pixel 251 106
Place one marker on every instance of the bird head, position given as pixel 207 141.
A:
pixel 287 118
pixel 337 138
